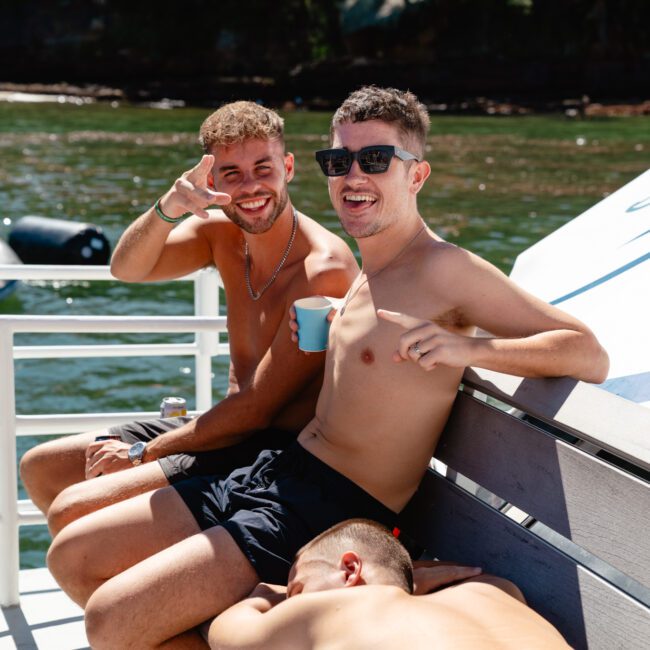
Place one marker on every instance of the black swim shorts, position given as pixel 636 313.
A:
pixel 178 467
pixel 277 505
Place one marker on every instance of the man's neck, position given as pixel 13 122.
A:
pixel 378 251
pixel 265 248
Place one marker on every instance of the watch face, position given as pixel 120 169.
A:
pixel 136 452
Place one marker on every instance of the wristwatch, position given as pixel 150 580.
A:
pixel 136 452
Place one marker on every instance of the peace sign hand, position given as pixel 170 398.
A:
pixel 428 344
pixel 191 192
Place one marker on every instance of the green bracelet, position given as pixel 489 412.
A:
pixel 164 217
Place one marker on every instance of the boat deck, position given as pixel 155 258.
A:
pixel 46 618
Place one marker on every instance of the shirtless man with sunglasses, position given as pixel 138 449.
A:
pixel 397 349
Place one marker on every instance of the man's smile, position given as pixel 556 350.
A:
pixel 357 201
pixel 253 205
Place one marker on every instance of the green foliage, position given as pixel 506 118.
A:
pixel 73 39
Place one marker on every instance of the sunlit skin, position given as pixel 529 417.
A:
pixel 270 384
pixel 386 201
pixel 250 180
pixel 311 573
pixel 255 175
pixel 349 602
pixel 378 422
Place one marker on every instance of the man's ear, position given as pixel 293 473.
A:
pixel 289 163
pixel 351 565
pixel 422 171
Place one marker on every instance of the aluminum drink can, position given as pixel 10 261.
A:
pixel 173 407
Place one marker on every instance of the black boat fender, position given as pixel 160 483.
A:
pixel 43 240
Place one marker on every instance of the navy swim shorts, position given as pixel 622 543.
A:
pixel 178 467
pixel 277 505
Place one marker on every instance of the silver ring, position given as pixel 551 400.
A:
pixel 416 348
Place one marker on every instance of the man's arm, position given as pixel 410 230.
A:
pixel 530 337
pixel 281 373
pixel 153 249
pixel 429 575
pixel 268 620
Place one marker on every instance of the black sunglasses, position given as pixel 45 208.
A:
pixel 372 160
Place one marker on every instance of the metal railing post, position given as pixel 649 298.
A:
pixel 206 303
pixel 205 346
pixel 9 553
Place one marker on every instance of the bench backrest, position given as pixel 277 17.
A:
pixel 576 460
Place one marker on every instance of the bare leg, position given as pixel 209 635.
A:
pixel 93 549
pixel 49 468
pixel 158 602
pixel 83 498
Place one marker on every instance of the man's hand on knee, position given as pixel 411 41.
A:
pixel 106 457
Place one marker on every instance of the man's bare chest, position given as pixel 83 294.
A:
pixel 252 328
pixel 357 327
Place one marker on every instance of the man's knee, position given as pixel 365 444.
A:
pixel 32 464
pixel 60 555
pixel 50 467
pixel 36 473
pixel 67 506
pixel 68 562
pixel 104 617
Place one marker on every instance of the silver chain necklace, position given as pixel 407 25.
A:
pixel 256 295
pixel 351 294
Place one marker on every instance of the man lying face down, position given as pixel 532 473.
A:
pixel 319 610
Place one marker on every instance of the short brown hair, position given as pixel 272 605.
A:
pixel 377 543
pixel 400 107
pixel 240 121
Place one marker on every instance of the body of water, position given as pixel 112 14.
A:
pixel 498 185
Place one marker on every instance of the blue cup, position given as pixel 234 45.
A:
pixel 313 326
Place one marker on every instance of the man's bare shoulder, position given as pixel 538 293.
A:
pixel 321 602
pixel 443 257
pixel 324 243
pixel 454 270
pixel 497 605
pixel 330 265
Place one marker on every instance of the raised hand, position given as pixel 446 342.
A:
pixel 428 344
pixel 191 192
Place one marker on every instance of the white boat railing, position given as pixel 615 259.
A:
pixel 205 323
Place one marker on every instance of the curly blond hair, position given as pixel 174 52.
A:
pixel 240 121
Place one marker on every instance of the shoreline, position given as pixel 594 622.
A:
pixel 63 92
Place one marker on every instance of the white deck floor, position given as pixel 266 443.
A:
pixel 46 619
